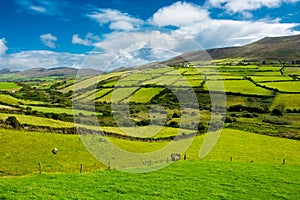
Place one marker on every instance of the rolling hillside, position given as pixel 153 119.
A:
pixel 285 48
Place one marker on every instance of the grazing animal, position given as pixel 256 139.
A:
pixel 175 156
pixel 54 151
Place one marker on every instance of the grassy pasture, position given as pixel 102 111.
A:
pixel 270 78
pixel 290 101
pixel 269 68
pixel 291 86
pixel 91 81
pixel 9 86
pixel 24 150
pixel 144 95
pixel 58 110
pixel 158 71
pixel 7 99
pixel 238 86
pixel 138 77
pixel 38 121
pixel 147 131
pixel 118 94
pixel 83 96
pixel 272 74
pixel 188 82
pixel 292 70
pixel 180 180
pixel 163 80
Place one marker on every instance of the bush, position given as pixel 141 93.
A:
pixel 277 112
pixel 12 121
pixel 174 124
pixel 276 120
pixel 176 115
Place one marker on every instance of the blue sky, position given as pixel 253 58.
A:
pixel 60 33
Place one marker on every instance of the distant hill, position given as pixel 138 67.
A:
pixel 7 71
pixel 285 48
pixel 58 71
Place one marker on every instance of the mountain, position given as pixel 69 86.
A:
pixel 7 71
pixel 58 71
pixel 285 48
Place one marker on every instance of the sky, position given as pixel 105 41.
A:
pixel 107 34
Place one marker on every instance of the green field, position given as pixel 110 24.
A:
pixel 38 121
pixel 291 86
pixel 164 80
pixel 181 180
pixel 118 94
pixel 144 95
pixel 290 101
pixel 237 86
pixel 9 86
pixel 270 78
pixel 292 70
pixel 90 81
pixel 21 156
pixel 58 110
pixel 7 99
pixel 147 131
pixel 245 163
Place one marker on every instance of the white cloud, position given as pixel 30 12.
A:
pixel 3 46
pixel 238 6
pixel 89 39
pixel 46 7
pixel 40 58
pixel 220 33
pixel 179 14
pixel 115 19
pixel 48 40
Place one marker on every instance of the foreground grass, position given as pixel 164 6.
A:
pixel 22 151
pixel 181 180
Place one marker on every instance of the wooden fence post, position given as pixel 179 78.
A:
pixel 108 165
pixel 150 163
pixel 81 168
pixel 40 167
pixel 283 161
pixel 230 158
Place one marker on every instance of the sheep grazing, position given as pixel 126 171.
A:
pixel 54 151
pixel 175 156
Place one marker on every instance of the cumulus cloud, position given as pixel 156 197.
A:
pixel 89 39
pixel 40 58
pixel 220 33
pixel 48 40
pixel 211 33
pixel 179 14
pixel 115 19
pixel 235 6
pixel 3 46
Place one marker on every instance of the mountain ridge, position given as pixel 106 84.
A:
pixel 285 48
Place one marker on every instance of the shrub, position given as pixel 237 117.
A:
pixel 276 120
pixel 12 121
pixel 277 112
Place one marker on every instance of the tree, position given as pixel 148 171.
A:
pixel 12 121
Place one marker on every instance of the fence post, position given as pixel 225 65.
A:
pixel 40 167
pixel 108 165
pixel 230 158
pixel 150 163
pixel 81 168
pixel 283 161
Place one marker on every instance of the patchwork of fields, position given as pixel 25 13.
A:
pixel 258 146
